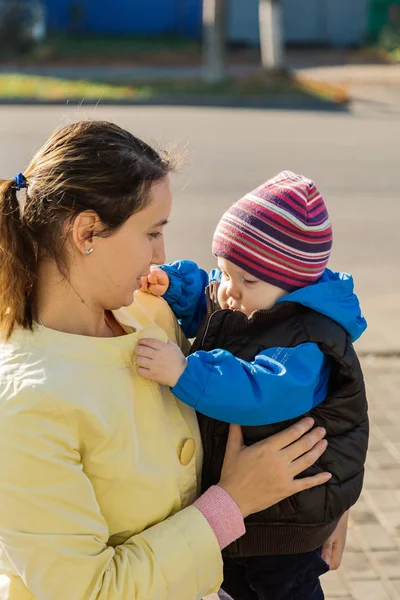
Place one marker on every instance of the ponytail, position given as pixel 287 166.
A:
pixel 17 263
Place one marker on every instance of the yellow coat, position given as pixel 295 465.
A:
pixel 97 466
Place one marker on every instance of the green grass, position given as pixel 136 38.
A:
pixel 246 86
pixel 86 47
pixel 35 87
pixel 389 42
pixel 393 55
pixel 396 55
pixel 13 86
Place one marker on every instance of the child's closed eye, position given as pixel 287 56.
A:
pixel 250 281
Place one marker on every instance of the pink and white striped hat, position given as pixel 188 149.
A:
pixel 280 233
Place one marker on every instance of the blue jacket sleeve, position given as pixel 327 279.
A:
pixel 280 384
pixel 186 294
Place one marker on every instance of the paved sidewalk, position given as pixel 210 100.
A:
pixel 124 73
pixel 373 88
pixel 371 565
pixel 355 74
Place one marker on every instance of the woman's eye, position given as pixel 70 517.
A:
pixel 155 235
pixel 225 275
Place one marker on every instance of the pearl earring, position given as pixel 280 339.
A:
pixel 89 252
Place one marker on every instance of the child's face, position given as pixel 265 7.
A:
pixel 240 290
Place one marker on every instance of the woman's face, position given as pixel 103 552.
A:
pixel 111 274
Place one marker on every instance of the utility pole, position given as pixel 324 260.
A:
pixel 271 34
pixel 215 16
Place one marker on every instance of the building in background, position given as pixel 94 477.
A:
pixel 339 23
pixel 146 17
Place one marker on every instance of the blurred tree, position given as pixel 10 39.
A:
pixel 17 26
pixel 271 34
pixel 215 17
pixel 76 16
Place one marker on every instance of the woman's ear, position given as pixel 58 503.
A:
pixel 87 225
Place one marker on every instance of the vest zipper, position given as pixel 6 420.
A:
pixel 207 431
pixel 207 324
pixel 211 314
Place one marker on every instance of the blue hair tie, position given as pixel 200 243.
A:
pixel 20 181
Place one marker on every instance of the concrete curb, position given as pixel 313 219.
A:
pixel 272 102
pixel 388 355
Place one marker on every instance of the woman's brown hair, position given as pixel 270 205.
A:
pixel 89 165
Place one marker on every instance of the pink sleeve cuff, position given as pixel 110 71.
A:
pixel 223 515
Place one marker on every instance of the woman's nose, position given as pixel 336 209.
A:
pixel 159 256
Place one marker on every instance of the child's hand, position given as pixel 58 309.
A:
pixel 159 361
pixel 156 283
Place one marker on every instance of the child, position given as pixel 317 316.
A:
pixel 275 344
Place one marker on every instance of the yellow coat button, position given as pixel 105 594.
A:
pixel 187 452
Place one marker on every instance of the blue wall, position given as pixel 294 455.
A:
pixel 130 16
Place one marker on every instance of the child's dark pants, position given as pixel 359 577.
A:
pixel 286 577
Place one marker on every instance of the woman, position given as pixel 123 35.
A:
pixel 99 468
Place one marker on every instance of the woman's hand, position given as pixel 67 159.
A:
pixel 332 550
pixel 259 476
pixel 156 283
pixel 159 361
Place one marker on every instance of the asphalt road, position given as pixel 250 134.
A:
pixel 353 158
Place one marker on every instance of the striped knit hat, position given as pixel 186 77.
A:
pixel 280 232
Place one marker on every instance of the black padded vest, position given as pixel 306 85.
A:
pixel 302 522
